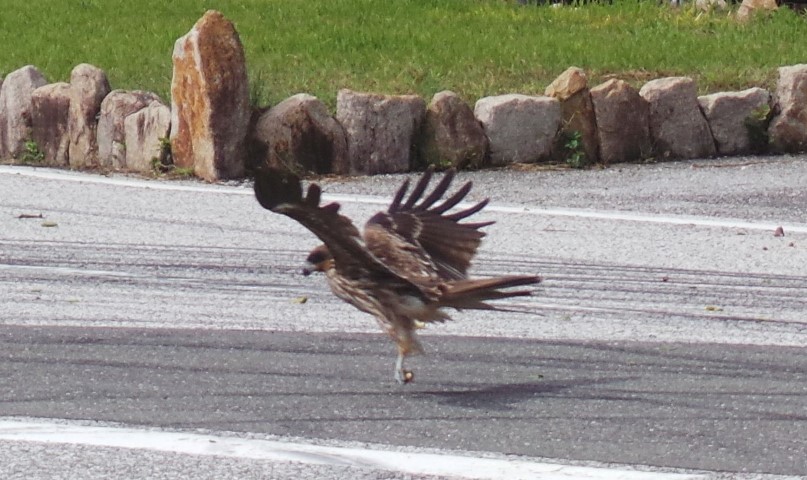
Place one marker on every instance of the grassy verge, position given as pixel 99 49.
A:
pixel 474 47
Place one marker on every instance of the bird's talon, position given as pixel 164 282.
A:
pixel 404 376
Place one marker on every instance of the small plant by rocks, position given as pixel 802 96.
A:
pixel 575 153
pixel 32 155
pixel 757 125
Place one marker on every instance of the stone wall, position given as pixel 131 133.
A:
pixel 213 130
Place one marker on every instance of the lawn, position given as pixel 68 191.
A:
pixel 474 47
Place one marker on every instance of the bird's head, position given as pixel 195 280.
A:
pixel 319 260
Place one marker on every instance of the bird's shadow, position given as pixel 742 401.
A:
pixel 508 396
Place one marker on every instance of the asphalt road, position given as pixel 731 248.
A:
pixel 669 331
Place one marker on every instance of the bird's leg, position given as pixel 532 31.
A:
pixel 402 376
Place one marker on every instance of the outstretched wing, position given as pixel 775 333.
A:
pixel 417 235
pixel 282 192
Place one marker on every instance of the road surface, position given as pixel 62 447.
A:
pixel 668 335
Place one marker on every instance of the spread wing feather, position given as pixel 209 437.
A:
pixel 281 192
pixel 435 239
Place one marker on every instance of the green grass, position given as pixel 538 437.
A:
pixel 474 47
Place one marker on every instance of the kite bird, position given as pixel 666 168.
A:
pixel 410 263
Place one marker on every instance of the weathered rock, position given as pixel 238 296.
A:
pixel 572 81
pixel 576 109
pixel 730 116
pixel 381 130
pixel 709 5
pixel 520 128
pixel 788 129
pixel 452 137
pixel 88 87
pixel 300 136
pixel 15 109
pixel 118 105
pixel 677 126
pixel 622 122
pixel 750 7
pixel 145 132
pixel 210 111
pixel 50 108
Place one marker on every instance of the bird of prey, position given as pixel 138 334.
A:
pixel 410 263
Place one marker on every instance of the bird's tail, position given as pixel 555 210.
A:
pixel 472 294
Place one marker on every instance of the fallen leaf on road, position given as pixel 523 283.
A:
pixel 50 224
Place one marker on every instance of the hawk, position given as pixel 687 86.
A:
pixel 410 263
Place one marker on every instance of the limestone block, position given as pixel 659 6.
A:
pixel 622 122
pixel 382 130
pixel 88 87
pixel 520 128
pixel 568 83
pixel 452 137
pixel 788 128
pixel 300 136
pixel 49 114
pixel 749 7
pixel 729 113
pixel 144 133
pixel 15 109
pixel 118 105
pixel 677 126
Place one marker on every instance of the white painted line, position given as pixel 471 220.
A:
pixel 279 451
pixel 70 176
pixel 70 271
pixel 615 215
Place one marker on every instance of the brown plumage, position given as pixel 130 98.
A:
pixel 410 263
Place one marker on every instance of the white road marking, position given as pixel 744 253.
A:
pixel 615 215
pixel 449 464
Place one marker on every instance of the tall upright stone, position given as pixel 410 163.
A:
pixel 210 111
pixel 622 122
pixel 49 113
pixel 88 87
pixel 15 109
